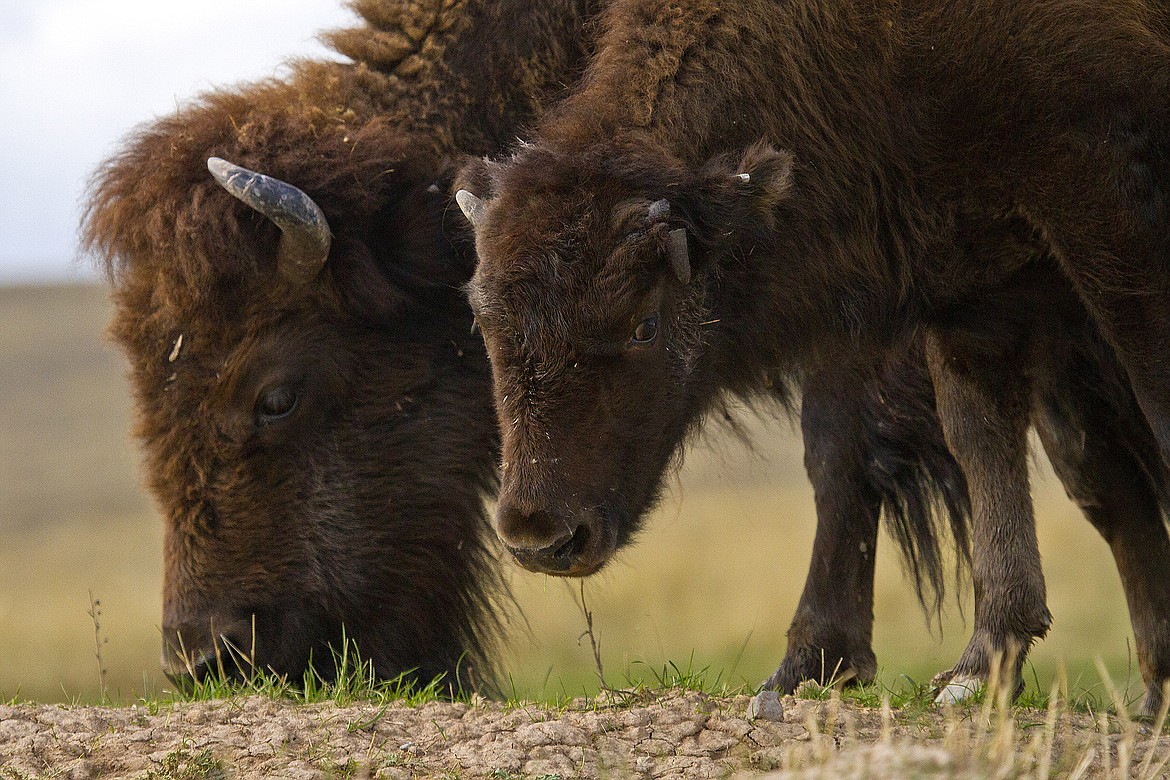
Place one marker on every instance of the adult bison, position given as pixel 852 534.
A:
pixel 964 180
pixel 315 411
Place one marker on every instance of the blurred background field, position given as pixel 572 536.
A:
pixel 712 583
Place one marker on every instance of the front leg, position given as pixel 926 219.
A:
pixel 831 633
pixel 983 402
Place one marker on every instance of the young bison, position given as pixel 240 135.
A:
pixel 315 411
pixel 964 180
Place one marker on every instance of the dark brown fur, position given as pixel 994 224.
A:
pixel 362 510
pixel 940 156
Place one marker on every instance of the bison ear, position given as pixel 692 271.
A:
pixel 405 253
pixel 767 173
pixel 744 192
pixel 420 251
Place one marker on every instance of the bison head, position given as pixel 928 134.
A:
pixel 597 290
pixel 314 409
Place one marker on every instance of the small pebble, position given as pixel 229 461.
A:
pixel 765 705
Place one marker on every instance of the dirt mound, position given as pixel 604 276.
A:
pixel 672 734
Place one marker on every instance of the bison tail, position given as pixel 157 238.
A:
pixel 923 491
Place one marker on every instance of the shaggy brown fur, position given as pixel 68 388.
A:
pixel 361 508
pixel 944 161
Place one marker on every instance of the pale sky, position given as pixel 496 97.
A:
pixel 77 75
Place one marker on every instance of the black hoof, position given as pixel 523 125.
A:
pixel 1151 706
pixel 813 664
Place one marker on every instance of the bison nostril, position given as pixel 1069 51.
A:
pixel 573 546
pixel 560 556
pixel 535 530
pixel 545 541
pixel 187 672
pixel 224 661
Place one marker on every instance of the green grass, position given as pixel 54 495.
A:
pixel 351 680
pixel 186 764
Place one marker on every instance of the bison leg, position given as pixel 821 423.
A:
pixel 831 633
pixel 983 404
pixel 1138 327
pixel 1103 202
pixel 1102 452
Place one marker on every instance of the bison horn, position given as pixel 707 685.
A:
pixel 471 206
pixel 304 232
pixel 680 257
pixel 659 211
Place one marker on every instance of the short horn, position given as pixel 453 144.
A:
pixel 471 206
pixel 304 232
pixel 680 256
pixel 659 211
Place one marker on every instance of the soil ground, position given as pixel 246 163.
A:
pixel 661 735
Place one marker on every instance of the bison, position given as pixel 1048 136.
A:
pixel 314 408
pixel 741 194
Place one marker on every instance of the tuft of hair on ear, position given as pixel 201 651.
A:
pixel 770 171
pixel 754 196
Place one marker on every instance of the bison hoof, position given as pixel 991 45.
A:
pixel 958 688
pixel 1152 705
pixel 803 663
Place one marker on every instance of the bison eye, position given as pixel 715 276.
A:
pixel 647 329
pixel 276 404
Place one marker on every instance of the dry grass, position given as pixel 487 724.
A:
pixel 711 584
pixel 990 740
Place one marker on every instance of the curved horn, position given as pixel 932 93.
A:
pixel 471 206
pixel 680 256
pixel 304 232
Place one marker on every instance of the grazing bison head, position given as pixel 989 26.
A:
pixel 314 408
pixel 596 286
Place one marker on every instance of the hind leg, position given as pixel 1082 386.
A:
pixel 1103 202
pixel 831 634
pixel 1101 451
pixel 983 403
pixel 1138 327
pixel 1100 195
